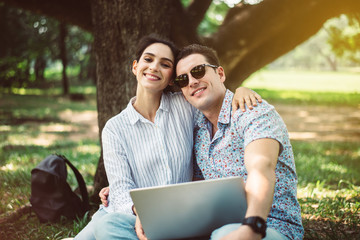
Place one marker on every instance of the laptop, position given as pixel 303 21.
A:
pixel 191 209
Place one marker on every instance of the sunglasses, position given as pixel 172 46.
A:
pixel 196 72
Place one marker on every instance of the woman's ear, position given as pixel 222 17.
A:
pixel 171 83
pixel 134 67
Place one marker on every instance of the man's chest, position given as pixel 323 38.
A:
pixel 221 155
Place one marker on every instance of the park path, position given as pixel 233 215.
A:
pixel 321 123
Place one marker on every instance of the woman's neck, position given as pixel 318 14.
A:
pixel 147 103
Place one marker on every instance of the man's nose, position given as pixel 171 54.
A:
pixel 193 82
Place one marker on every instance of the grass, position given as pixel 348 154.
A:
pixel 328 172
pixel 26 119
pixel 328 189
pixel 305 81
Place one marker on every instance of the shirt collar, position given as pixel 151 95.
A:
pixel 135 116
pixel 225 112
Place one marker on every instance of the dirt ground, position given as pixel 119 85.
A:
pixel 307 123
pixel 321 123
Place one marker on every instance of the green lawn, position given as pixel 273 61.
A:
pixel 338 82
pixel 328 172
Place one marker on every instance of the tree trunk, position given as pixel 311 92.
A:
pixel 63 57
pixel 39 69
pixel 118 26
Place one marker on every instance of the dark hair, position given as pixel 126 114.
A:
pixel 154 38
pixel 151 39
pixel 209 53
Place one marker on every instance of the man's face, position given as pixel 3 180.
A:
pixel 204 93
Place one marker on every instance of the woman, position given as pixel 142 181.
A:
pixel 148 144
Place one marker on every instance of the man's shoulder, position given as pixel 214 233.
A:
pixel 261 108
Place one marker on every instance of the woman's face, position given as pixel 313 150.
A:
pixel 155 67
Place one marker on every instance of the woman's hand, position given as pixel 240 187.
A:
pixel 139 229
pixel 103 194
pixel 245 95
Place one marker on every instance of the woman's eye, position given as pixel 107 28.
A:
pixel 147 59
pixel 166 65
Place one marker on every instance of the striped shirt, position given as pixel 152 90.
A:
pixel 139 153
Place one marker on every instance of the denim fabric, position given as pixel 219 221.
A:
pixel 87 233
pixel 116 226
pixel 271 234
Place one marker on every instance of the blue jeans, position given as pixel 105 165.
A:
pixel 271 234
pixel 87 233
pixel 119 226
pixel 116 226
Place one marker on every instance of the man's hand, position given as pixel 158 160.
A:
pixel 103 194
pixel 245 95
pixel 242 233
pixel 139 230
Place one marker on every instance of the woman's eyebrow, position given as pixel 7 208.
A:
pixel 167 59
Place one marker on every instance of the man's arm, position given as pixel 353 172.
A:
pixel 260 162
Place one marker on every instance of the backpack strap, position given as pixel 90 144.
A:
pixel 81 182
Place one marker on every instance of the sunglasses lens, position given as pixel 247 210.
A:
pixel 182 80
pixel 198 71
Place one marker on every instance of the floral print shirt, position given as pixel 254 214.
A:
pixel 223 156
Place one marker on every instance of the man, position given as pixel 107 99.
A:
pixel 252 144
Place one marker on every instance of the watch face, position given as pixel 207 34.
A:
pixel 258 224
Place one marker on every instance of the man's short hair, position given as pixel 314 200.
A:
pixel 209 53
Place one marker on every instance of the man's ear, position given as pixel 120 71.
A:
pixel 221 73
pixel 134 66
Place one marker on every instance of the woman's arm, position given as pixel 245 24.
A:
pixel 117 170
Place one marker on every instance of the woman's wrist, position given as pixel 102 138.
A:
pixel 133 210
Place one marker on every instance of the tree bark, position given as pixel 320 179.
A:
pixel 117 28
pixel 63 57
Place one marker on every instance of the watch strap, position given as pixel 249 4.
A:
pixel 257 224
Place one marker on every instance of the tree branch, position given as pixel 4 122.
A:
pixel 253 36
pixel 196 11
pixel 69 11
pixel 184 23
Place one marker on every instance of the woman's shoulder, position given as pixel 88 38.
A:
pixel 118 119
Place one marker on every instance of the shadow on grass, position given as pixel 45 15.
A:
pixel 325 229
pixel 327 163
pixel 9 118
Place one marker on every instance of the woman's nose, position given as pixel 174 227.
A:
pixel 154 66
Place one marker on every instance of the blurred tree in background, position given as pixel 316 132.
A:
pixel 30 43
pixel 345 38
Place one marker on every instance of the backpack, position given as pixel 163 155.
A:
pixel 51 195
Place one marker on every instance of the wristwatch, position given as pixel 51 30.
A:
pixel 257 224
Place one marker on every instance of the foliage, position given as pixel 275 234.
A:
pixel 213 18
pixel 345 38
pixel 30 44
pixel 335 46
